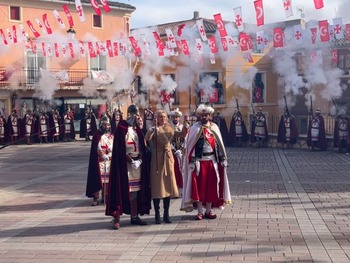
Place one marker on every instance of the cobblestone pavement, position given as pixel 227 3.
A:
pixel 289 206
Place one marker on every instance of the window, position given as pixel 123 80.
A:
pixel 15 13
pixel 209 88
pixel 97 21
pixel 258 88
pixel 35 61
pixel 98 63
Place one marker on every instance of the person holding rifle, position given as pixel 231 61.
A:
pixel 163 180
pixel 316 135
pixel 287 129
pixel 238 129
pixel 259 132
pixel 341 132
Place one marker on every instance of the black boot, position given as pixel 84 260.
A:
pixel 156 210
pixel 166 203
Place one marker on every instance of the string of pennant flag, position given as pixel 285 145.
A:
pixel 174 44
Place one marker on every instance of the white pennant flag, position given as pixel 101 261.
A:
pixel 24 34
pixel 260 40
pixel 338 28
pixel 61 76
pixel 212 58
pixel 238 18
pixel 80 11
pixel 101 77
pixel 171 37
pixel 59 19
pixel 199 46
pixel 201 29
pixel 298 34
pixel 49 50
pixel 287 4
pixel 82 49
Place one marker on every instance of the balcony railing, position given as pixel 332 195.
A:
pixel 26 78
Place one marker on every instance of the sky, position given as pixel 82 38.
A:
pixel 153 12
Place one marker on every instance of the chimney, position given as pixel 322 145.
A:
pixel 195 15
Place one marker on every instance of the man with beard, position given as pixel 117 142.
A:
pixel 100 162
pixel 205 162
pixel 129 179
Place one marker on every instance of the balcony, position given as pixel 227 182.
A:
pixel 28 78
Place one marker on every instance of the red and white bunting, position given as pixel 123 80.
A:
pixel 212 58
pixel 146 44
pixel 316 57
pixel 135 45
pixel 14 34
pixel 220 25
pixel 238 18
pixel 248 57
pixel 82 49
pixel 324 32
pixel 331 31
pixel 313 35
pixel 80 11
pixel 59 19
pixel 91 50
pixel 49 50
pixel 43 47
pixel 266 40
pixel 105 6
pixel 169 49
pixel 298 34
pixel 277 37
pixel 31 27
pixel 69 15
pixel 3 37
pixel 185 47
pixel 335 56
pixel 64 49
pixel 115 49
pixel 201 29
pixel 243 41
pixel 24 34
pixel 40 25
pixel 224 44
pixel 159 42
pixel 249 42
pixel 180 29
pixel 199 46
pixel 103 48
pixel 287 4
pixel 57 50
pixel 109 48
pixel 95 6
pixel 34 47
pixel 98 50
pixel 71 49
pixel 338 28
pixel 161 51
pixel 259 11
pixel 47 25
pixel 171 37
pixel 260 40
pixel 232 41
pixel 9 35
pixel 318 4
pixel 212 45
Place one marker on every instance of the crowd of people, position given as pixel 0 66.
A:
pixel 136 166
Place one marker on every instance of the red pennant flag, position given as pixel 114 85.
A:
pixel 324 33
pixel 36 33
pixel 212 45
pixel 185 48
pixel 159 42
pixel 109 48
pixel 224 44
pixel 34 47
pixel 135 46
pixel 259 10
pixel 115 49
pixel 249 42
pixel 179 29
pixel 105 6
pixel 91 50
pixel 220 25
pixel 14 33
pixel 318 4
pixel 43 46
pixel 243 41
pixel 3 37
pixel 69 16
pixel 57 51
pixel 277 37
pixel 313 35
pixel 347 29
pixel 94 4
pixel 47 25
pixel 98 49
pixel 71 49
pixel 335 56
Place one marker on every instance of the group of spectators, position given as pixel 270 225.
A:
pixel 148 160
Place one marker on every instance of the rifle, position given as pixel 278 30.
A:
pixel 286 105
pixel 252 108
pixel 311 108
pixel 335 106
pixel 237 105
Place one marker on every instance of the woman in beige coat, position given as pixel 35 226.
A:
pixel 163 181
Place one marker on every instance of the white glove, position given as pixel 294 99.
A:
pixel 110 149
pixel 192 166
pixel 136 164
pixel 105 157
pixel 223 163
pixel 198 167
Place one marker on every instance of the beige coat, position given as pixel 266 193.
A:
pixel 163 182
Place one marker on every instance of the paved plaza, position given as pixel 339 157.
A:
pixel 289 206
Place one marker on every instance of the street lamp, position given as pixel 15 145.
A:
pixel 71 32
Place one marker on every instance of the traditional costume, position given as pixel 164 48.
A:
pixel 316 135
pixel 88 125
pixel 238 130
pixel 259 132
pixel 287 130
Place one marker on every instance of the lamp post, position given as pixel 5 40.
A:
pixel 71 32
